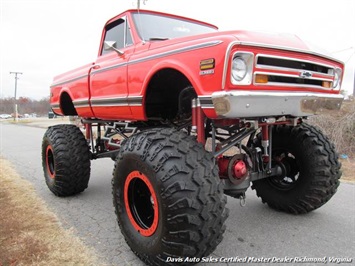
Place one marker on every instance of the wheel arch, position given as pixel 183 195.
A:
pixel 66 103
pixel 162 88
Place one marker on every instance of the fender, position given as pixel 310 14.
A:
pixel 56 97
pixel 176 65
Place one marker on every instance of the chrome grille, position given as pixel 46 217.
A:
pixel 293 72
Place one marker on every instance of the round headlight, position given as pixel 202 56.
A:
pixel 239 69
pixel 336 78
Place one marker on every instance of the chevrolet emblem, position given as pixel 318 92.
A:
pixel 305 74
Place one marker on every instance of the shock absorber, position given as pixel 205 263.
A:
pixel 198 120
pixel 265 142
pixel 194 115
pixel 88 132
pixel 200 123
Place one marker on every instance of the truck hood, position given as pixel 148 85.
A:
pixel 283 41
pixel 269 39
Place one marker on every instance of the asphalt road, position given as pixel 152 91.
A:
pixel 254 231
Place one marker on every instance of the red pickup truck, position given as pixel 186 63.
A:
pixel 190 114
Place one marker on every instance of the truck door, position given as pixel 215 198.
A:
pixel 108 76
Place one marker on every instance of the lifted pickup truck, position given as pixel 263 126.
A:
pixel 190 114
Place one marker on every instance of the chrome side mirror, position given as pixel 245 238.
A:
pixel 110 45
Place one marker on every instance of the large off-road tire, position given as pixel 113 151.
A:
pixel 311 168
pixel 168 198
pixel 65 160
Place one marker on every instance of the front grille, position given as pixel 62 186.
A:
pixel 293 72
pixel 290 80
pixel 293 64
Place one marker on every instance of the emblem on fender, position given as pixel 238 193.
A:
pixel 305 74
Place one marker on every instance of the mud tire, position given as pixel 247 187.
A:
pixel 187 199
pixel 65 160
pixel 315 163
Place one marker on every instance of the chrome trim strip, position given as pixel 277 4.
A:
pixel 177 51
pixel 108 68
pixel 117 101
pixel 55 106
pixel 206 101
pixel 82 106
pixel 109 105
pixel 226 64
pixel 289 59
pixel 108 100
pixel 288 75
pixel 272 84
pixel 69 80
pixel 205 97
pixel 263 45
pixel 235 93
pixel 135 100
pixel 292 69
pixel 81 103
pixel 290 85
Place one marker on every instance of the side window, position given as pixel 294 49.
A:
pixel 118 32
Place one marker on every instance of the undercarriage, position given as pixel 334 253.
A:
pixel 171 176
pixel 241 148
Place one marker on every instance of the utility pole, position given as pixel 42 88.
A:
pixel 139 3
pixel 354 84
pixel 15 103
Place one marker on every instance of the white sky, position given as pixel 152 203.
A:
pixel 43 38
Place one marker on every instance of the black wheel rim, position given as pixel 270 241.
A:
pixel 288 162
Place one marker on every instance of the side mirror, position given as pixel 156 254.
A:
pixel 110 45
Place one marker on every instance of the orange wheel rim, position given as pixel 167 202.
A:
pixel 50 162
pixel 141 203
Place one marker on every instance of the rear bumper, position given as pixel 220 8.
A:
pixel 243 104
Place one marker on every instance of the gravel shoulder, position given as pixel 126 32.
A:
pixel 30 234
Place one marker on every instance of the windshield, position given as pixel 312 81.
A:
pixel 159 27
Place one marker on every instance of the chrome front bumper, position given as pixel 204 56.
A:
pixel 244 104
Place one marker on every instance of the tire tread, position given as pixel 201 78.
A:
pixel 324 170
pixel 192 193
pixel 72 160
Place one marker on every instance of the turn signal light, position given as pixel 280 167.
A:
pixel 207 64
pixel 327 84
pixel 261 78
